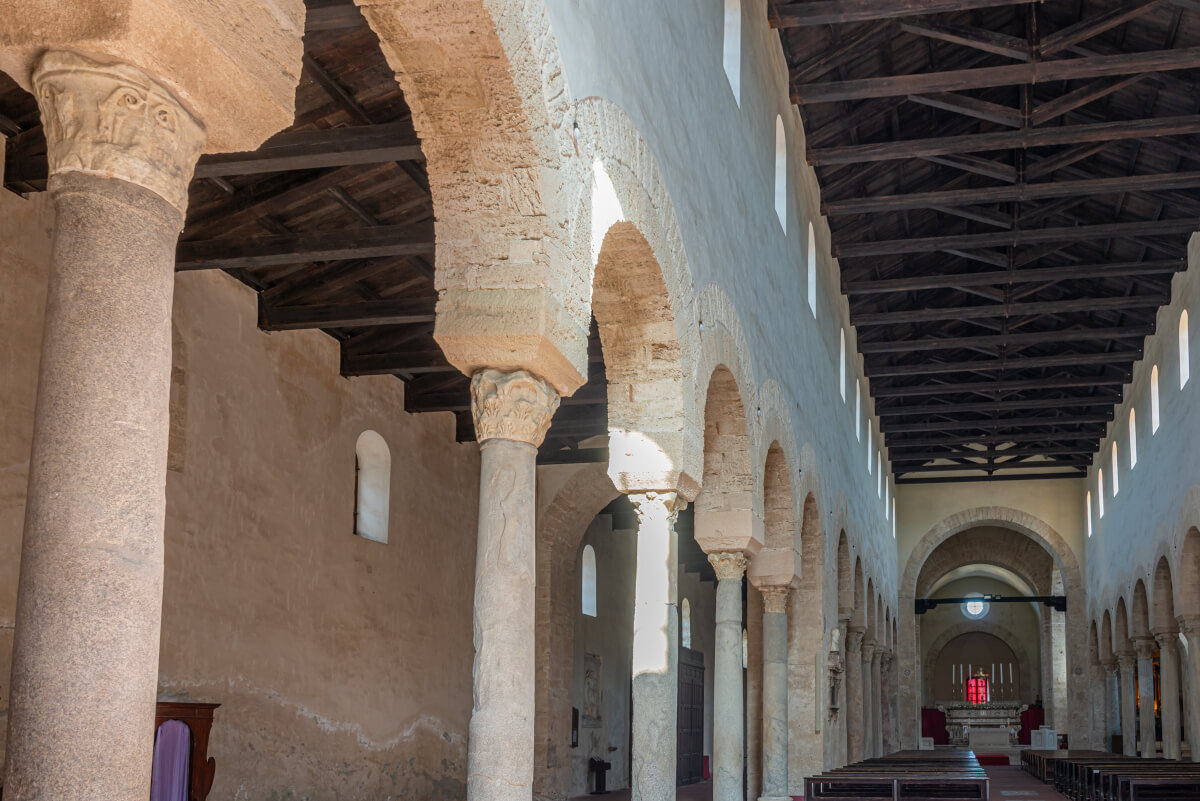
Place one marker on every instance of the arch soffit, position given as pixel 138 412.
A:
pixel 563 519
pixel 1000 516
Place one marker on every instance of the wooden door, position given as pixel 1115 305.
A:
pixel 689 762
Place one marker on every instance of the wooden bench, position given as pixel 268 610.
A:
pixel 904 776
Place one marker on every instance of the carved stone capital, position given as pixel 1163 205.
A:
pixel 775 599
pixel 1143 647
pixel 728 565
pixel 854 638
pixel 868 652
pixel 885 660
pixel 1126 661
pixel 654 507
pixel 515 406
pixel 1167 641
pixel 114 121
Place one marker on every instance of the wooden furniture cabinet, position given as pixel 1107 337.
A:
pixel 198 718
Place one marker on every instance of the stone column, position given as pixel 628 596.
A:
pixel 1144 648
pixel 121 152
pixel 1128 708
pixel 1112 703
pixel 877 701
pixel 1191 631
pixel 1168 660
pixel 656 647
pixel 512 412
pixel 868 704
pixel 728 713
pixel 853 705
pixel 843 731
pixel 775 694
pixel 885 701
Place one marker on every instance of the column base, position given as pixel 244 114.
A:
pixel 774 798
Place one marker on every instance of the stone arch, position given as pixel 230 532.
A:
pixel 1140 620
pixel 1162 607
pixel 562 520
pixel 1107 652
pixel 808 647
pixel 641 358
pixel 844 576
pixel 489 101
pixel 728 510
pixel 1121 632
pixel 777 562
pixel 987 627
pixel 1064 558
pixel 872 611
pixel 858 612
pixel 1189 565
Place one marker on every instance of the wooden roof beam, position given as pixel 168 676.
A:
pixel 1023 385
pixel 1080 473
pixel 970 107
pixel 925 456
pixel 1094 26
pixel 988 365
pixel 1088 93
pixel 1033 236
pixel 991 407
pixel 307 150
pixel 1007 75
pixel 263 251
pixel 1105 132
pixel 1005 277
pixel 346 315
pixel 898 442
pixel 1014 193
pixel 999 44
pixel 992 467
pixel 1008 310
pixel 987 425
pixel 1078 334
pixel 836 12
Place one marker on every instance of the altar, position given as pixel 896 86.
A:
pixel 983 725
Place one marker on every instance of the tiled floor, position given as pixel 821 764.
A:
pixel 692 792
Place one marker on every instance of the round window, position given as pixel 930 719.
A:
pixel 975 608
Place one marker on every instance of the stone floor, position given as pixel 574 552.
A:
pixel 1008 784
pixel 1013 784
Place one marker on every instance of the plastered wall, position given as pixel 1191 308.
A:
pixel 342 666
pixel 716 154
pixel 1159 499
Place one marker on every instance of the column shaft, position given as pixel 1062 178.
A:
pixel 1148 738
pixel 888 716
pixel 1128 707
pixel 868 706
pixel 1192 663
pixel 877 701
pixel 853 705
pixel 89 605
pixel 1168 659
pixel 775 694
pixel 655 649
pixel 728 711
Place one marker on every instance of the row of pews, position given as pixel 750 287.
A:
pixel 1100 776
pixel 945 775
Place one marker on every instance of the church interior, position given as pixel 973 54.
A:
pixel 497 400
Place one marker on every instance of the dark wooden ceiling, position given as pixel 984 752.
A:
pixel 1010 187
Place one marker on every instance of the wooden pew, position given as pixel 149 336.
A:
pixel 904 776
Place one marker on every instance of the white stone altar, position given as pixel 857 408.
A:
pixel 993 724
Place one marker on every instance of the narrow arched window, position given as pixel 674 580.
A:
pixel 781 183
pixel 812 269
pixel 887 497
pixel 842 363
pixel 879 475
pixel 893 518
pixel 1185 360
pixel 731 56
pixel 1100 491
pixel 1132 439
pixel 1089 513
pixel 685 623
pixel 745 650
pixel 858 410
pixel 1116 483
pixel 870 461
pixel 587 574
pixel 1154 399
pixel 373 484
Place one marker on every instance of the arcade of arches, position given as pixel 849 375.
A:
pixel 502 399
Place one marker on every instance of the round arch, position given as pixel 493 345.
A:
pixel 986 627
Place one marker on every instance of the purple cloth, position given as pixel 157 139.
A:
pixel 169 781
